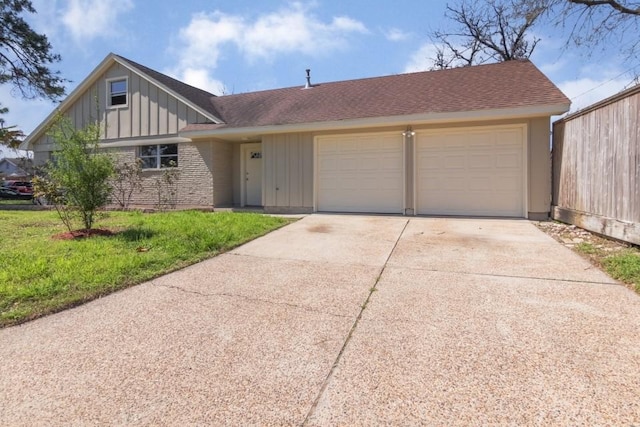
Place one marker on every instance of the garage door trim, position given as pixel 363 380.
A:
pixel 523 128
pixel 316 160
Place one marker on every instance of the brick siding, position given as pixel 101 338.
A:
pixel 195 180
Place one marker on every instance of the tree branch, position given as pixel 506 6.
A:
pixel 612 3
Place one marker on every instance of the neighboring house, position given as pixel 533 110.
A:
pixel 16 168
pixel 465 141
pixel 596 167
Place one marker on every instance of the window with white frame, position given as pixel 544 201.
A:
pixel 158 156
pixel 117 89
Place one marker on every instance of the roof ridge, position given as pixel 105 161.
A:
pixel 388 76
pixel 496 86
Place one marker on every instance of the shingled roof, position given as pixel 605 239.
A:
pixel 199 97
pixel 499 86
pixel 507 89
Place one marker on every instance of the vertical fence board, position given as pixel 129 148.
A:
pixel 596 166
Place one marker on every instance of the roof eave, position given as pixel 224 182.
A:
pixel 546 110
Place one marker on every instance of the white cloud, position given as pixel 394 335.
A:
pixel 199 77
pixel 47 19
pixel 586 91
pixel 205 36
pixel 553 67
pixel 345 23
pixel 295 30
pixel 88 19
pixel 396 35
pixel 422 59
pixel 289 30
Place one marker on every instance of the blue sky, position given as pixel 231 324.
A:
pixel 239 46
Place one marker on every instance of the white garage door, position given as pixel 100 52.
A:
pixel 360 173
pixel 471 172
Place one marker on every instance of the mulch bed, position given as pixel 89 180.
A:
pixel 83 234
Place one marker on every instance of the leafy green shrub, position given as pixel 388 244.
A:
pixel 77 180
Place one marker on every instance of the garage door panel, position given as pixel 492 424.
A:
pixel 506 184
pixel 456 161
pixel 481 183
pixel 481 163
pixel 470 173
pixel 367 173
pixel 508 161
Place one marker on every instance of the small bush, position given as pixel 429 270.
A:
pixel 77 181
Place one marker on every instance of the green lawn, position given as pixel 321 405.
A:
pixel 41 275
pixel 622 265
pixel 15 202
pixel 625 266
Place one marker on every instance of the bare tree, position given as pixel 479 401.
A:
pixel 489 31
pixel 127 178
pixel 591 24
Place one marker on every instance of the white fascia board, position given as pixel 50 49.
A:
pixel 117 143
pixel 413 119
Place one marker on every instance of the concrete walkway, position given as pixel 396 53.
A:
pixel 344 320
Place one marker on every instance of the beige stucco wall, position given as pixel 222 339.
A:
pixel 289 162
pixel 539 168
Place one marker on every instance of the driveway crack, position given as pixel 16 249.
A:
pixel 325 383
pixel 513 276
pixel 253 299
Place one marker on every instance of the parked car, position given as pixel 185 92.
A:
pixel 22 187
pixel 8 194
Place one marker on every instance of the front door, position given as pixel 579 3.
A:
pixel 252 174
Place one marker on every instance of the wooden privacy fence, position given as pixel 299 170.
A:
pixel 596 167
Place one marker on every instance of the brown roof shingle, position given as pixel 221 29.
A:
pixel 199 97
pixel 485 87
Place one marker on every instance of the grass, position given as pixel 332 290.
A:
pixel 41 275
pixel 15 202
pixel 587 248
pixel 622 265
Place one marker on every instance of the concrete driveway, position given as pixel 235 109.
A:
pixel 344 320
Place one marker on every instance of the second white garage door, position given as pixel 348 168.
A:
pixel 471 172
pixel 360 173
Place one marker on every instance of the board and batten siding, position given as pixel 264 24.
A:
pixel 596 167
pixel 222 170
pixel 288 172
pixel 150 110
